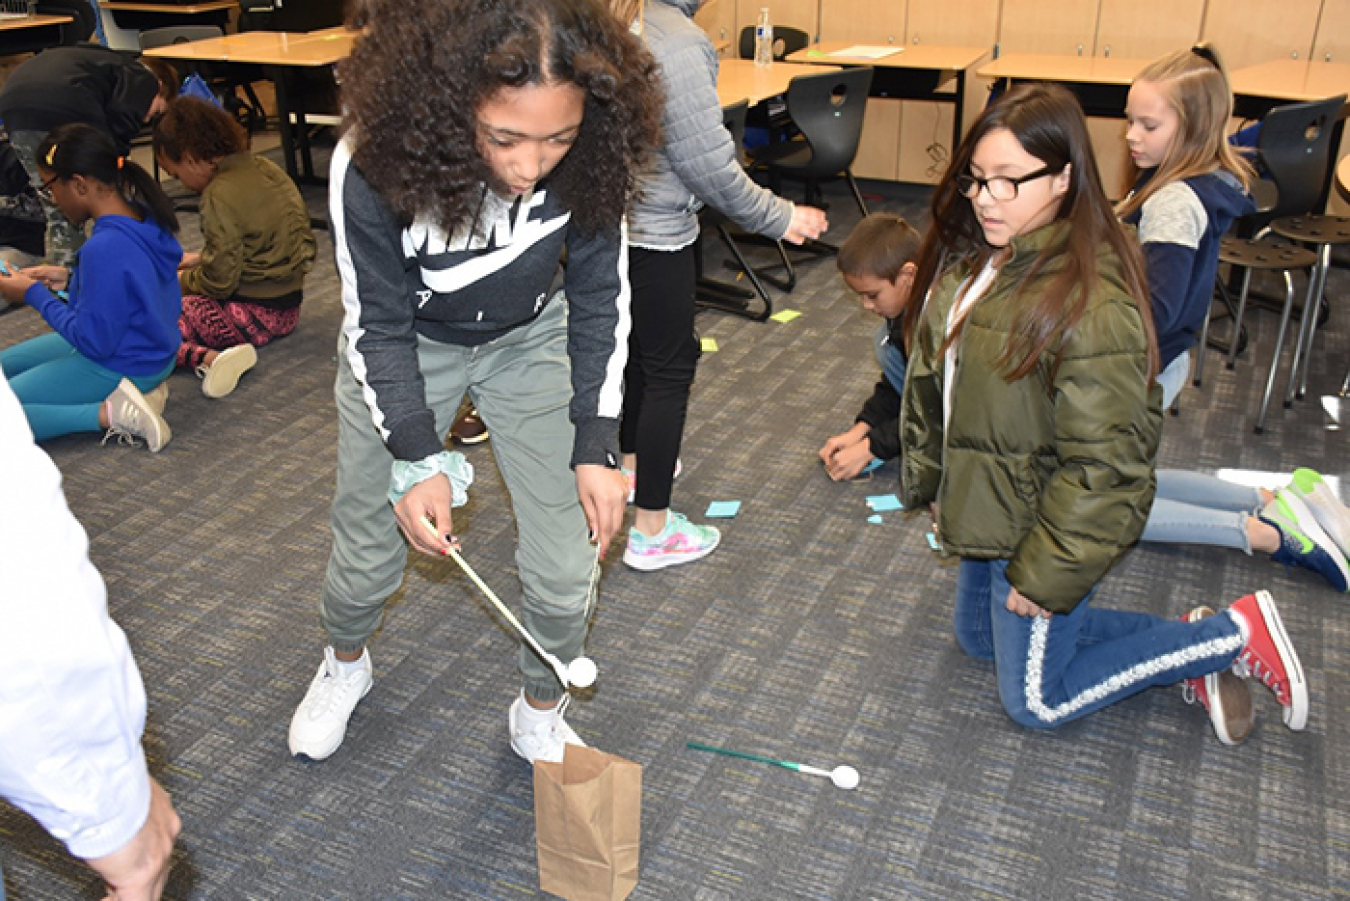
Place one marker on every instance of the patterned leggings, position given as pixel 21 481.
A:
pixel 208 324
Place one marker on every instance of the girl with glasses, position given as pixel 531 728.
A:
pixel 1030 422
pixel 114 314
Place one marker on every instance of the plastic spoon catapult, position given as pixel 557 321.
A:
pixel 845 777
pixel 581 672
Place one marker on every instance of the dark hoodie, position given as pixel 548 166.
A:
pixel 124 299
pixel 109 90
pixel 1179 228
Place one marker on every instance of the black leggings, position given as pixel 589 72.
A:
pixel 663 354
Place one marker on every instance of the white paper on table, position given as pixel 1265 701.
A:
pixel 866 51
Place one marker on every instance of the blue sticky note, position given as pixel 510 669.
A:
pixel 874 518
pixel 933 543
pixel 724 509
pixel 883 502
pixel 873 464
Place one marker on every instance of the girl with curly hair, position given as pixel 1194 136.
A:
pixel 485 139
pixel 243 288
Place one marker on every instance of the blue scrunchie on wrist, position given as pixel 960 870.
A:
pixel 407 473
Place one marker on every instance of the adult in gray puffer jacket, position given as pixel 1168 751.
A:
pixel 696 164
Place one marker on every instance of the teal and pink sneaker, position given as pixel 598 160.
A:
pixel 681 541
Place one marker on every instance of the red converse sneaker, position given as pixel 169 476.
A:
pixel 1227 697
pixel 1270 657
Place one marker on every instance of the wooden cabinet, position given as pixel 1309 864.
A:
pixel 1248 32
pixel 954 23
pixel 1147 29
pixel 718 19
pixel 1332 43
pixel 879 147
pixel 925 141
pixel 1066 27
pixel 863 21
pixel 802 14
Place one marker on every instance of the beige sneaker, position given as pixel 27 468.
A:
pixel 220 378
pixel 130 416
pixel 158 399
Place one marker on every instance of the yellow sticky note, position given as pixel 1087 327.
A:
pixel 710 345
pixel 785 315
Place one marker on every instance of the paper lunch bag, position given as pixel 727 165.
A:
pixel 588 823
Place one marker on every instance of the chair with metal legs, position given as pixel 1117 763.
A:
pixel 1294 149
pixel 732 298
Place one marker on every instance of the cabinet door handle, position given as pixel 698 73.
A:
pixel 1107 52
pixel 1080 49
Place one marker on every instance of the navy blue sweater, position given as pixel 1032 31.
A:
pixel 1179 228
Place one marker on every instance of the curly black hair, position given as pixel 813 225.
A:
pixel 413 86
pixel 198 128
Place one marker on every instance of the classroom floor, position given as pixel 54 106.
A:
pixel 810 635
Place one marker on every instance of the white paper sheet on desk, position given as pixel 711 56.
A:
pixel 866 51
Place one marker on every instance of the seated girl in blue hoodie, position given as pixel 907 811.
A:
pixel 117 333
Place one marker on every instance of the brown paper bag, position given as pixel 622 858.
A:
pixel 588 822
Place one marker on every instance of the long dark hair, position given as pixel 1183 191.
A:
pixel 1048 122
pixel 413 85
pixel 79 149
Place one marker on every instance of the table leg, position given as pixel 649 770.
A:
pixel 959 112
pixel 278 76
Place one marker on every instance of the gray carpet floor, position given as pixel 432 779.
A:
pixel 810 635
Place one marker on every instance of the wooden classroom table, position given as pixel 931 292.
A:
pixel 33 21
pixel 741 79
pixel 1101 83
pixel 169 9
pixel 282 56
pixel 1259 88
pixel 930 72
pixel 1343 178
pixel 29 34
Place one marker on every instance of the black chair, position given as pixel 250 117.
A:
pixel 828 108
pixel 771 115
pixel 1294 150
pixel 724 296
pixel 786 39
pixel 81 27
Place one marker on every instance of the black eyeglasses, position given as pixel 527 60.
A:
pixel 1000 187
pixel 46 186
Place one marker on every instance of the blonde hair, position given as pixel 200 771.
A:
pixel 629 11
pixel 1195 84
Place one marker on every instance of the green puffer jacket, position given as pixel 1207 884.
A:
pixel 1055 477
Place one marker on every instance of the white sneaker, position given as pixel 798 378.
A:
pixel 130 416
pixel 223 374
pixel 320 722
pixel 544 742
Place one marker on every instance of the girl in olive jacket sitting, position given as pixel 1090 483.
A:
pixel 1030 420
pixel 244 288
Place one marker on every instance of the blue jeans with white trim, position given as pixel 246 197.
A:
pixel 1052 671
